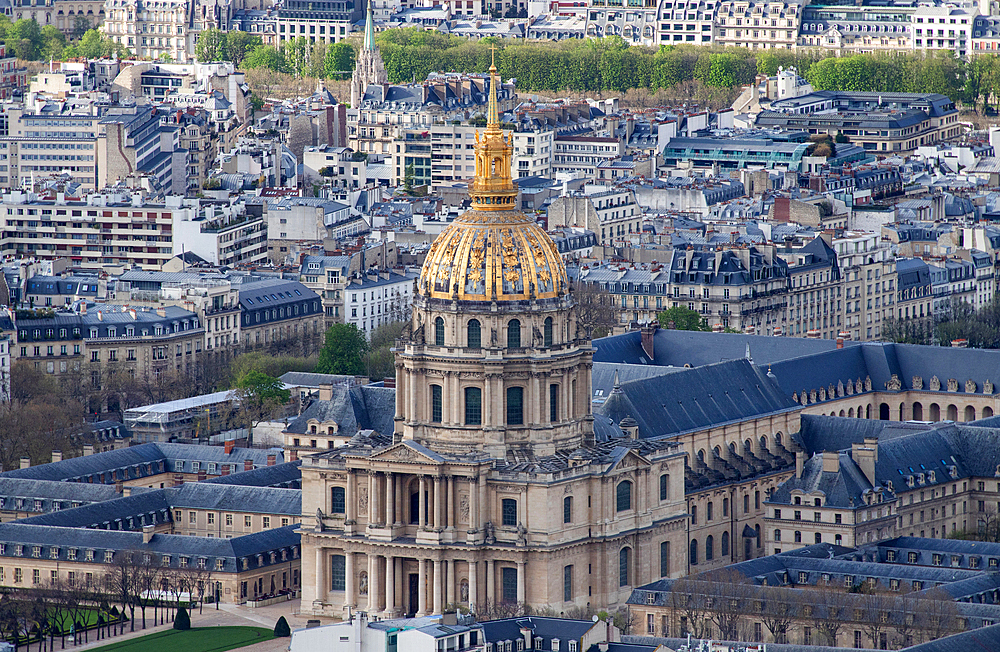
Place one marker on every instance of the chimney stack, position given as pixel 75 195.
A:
pixel 88 449
pixel 293 455
pixel 831 462
pixel 272 459
pixel 25 462
pixel 326 392
pixel 840 342
pixel 225 469
pixel 202 476
pixel 248 465
pixel 230 445
pixel 178 479
pixel 147 533
pixel 866 457
pixel 57 456
pixel 647 332
pixel 800 460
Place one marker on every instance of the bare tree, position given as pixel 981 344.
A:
pixel 728 592
pixel 830 610
pixel 938 613
pixel 146 575
pixel 776 612
pixel 690 610
pixel 12 614
pixel 121 582
pixel 595 309
pixel 876 609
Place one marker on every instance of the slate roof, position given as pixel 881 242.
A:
pixel 704 396
pixel 54 495
pixel 59 541
pixel 984 639
pixel 678 348
pixel 126 513
pixel 509 629
pixel 352 409
pixel 287 475
pixel 603 376
pixel 676 643
pixel 845 488
pixel 142 461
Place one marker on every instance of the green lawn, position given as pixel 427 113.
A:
pixel 196 639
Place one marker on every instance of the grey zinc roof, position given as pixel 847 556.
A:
pixel 353 409
pixel 111 514
pixel 984 639
pixel 844 489
pixel 231 551
pixel 235 498
pixel 509 629
pixel 710 395
pixel 50 492
pixel 306 379
pixel 286 475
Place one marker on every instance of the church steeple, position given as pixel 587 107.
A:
pixel 369 44
pixel 493 188
pixel 369 68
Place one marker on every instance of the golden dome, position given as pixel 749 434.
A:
pixel 493 252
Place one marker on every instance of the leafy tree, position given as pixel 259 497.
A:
pixel 80 26
pixel 91 45
pixel 259 395
pixel 53 42
pixel 326 172
pixel 682 319
pixel 182 621
pixel 268 57
pixel 342 351
pixel 211 46
pixel 26 37
pixel 339 61
pixel 281 628
pixel 240 44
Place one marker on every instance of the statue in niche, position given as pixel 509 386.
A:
pixel 363 584
pixel 490 538
pixel 464 591
pixel 464 508
pixel 319 520
pixel 522 533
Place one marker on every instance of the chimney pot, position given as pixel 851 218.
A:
pixel 248 465
pixel 25 462
pixel 840 342
pixel 272 459
pixel 57 456
pixel 88 449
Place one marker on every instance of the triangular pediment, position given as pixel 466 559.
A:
pixel 407 451
pixel 628 460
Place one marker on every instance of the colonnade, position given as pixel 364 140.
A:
pixel 438 507
pixel 386 586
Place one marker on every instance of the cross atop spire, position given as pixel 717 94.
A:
pixel 493 111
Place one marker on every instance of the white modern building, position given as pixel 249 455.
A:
pixel 425 634
pixel 378 297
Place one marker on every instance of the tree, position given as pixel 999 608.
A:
pixel 689 608
pixel 595 310
pixel 938 613
pixel 339 61
pixel 342 351
pixel 211 46
pixel 775 611
pixel 258 396
pixel 379 358
pixel 182 621
pixel 121 581
pixel 91 45
pixel 281 628
pixel 239 44
pixel 268 57
pixel 53 42
pixel 730 592
pixel 80 26
pixel 682 319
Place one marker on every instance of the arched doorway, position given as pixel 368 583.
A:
pixel 918 412
pixel 970 413
pixel 883 411
pixel 935 412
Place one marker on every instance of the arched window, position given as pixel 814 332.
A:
pixel 664 487
pixel 548 332
pixel 798 537
pixel 708 511
pixel 623 496
pixel 513 334
pixel 568 509
pixel 436 403
pixel 624 557
pixel 338 502
pixel 725 544
pixel 439 331
pixel 709 548
pixel 509 512
pixel 473 406
pixel 693 552
pixel 665 559
pixel 474 335
pixel 515 406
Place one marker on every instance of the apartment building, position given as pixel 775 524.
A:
pixel 635 23
pixel 151 31
pixel 914 293
pixel 815 290
pixel 327 277
pixel 51 341
pixel 132 142
pixel 883 122
pixel 685 21
pixel 857 27
pixel 943 27
pixel 377 297
pixel 12 78
pixel 582 154
pixel 533 152
pixel 869 275
pixel 105 230
pixel 327 22
pixel 225 234
pixel 758 24
pixel 277 312
pixel 612 213
pixel 46 139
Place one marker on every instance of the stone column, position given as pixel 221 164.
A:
pixel 450 582
pixel 535 401
pixel 350 497
pixel 437 503
pixel 389 502
pixel 422 504
pixel 490 582
pixel 473 585
pixel 452 504
pixel 474 503
pixel 398 507
pixel 487 400
pixel 372 512
pixel 438 607
pixel 422 589
pixel 520 582
pixel 349 579
pixel 401 389
pixel 484 508
pixel 390 585
pixel 373 583
pixel 411 405
pixel 320 575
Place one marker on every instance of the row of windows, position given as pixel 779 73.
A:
pixel 474 405
pixel 474 338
